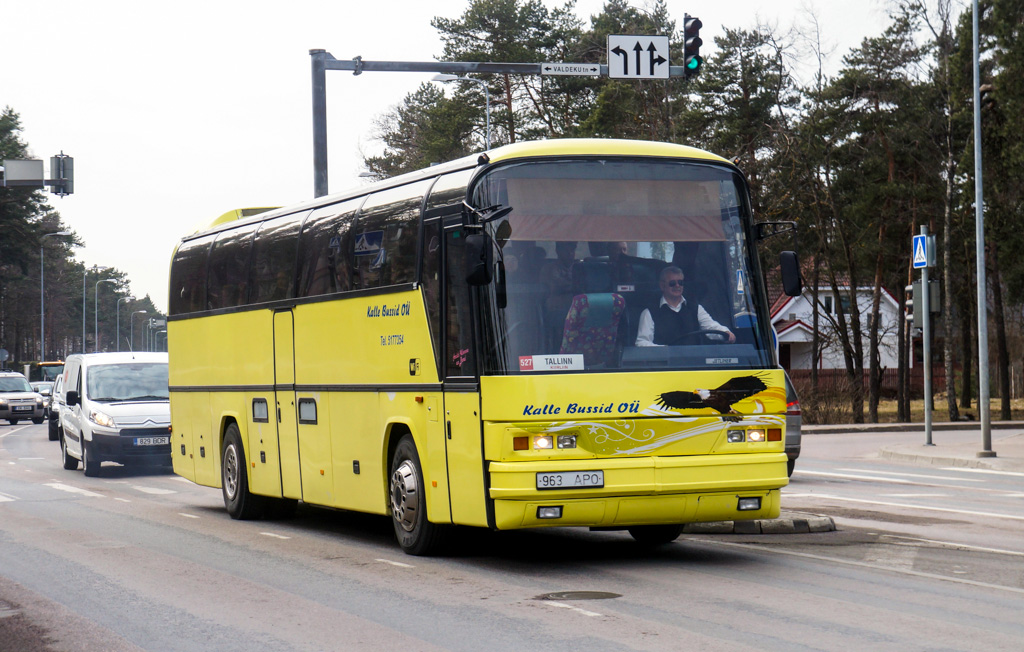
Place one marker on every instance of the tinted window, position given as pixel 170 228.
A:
pixel 188 276
pixel 227 284
pixel 326 250
pixel 273 260
pixel 449 189
pixel 386 236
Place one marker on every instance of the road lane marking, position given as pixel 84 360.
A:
pixel 73 490
pixel 153 490
pixel 562 605
pixel 276 536
pixel 911 475
pixel 11 432
pixel 860 564
pixel 914 495
pixel 25 459
pixel 394 563
pixel 6 498
pixel 123 500
pixel 952 544
pixel 187 515
pixel 908 506
pixel 988 471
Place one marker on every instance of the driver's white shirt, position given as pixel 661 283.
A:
pixel 645 330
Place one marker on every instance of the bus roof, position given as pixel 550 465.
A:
pixel 526 149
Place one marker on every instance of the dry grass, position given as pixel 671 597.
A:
pixel 836 409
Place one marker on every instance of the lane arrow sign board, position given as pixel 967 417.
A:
pixel 920 251
pixel 575 69
pixel 638 57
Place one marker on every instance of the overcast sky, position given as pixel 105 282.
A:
pixel 178 112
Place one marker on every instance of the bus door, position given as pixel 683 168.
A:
pixel 284 397
pixel 462 422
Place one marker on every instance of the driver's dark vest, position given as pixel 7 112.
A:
pixel 670 325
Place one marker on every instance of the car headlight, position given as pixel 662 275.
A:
pixel 3 404
pixel 102 419
pixel 40 402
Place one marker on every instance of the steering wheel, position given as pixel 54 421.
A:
pixel 714 336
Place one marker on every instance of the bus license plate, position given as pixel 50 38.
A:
pixel 571 480
pixel 151 441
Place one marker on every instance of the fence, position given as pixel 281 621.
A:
pixel 836 380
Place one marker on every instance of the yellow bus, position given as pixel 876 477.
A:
pixel 489 343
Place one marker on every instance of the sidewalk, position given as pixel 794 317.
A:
pixel 1007 439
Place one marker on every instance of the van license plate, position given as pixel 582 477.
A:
pixel 151 441
pixel 571 480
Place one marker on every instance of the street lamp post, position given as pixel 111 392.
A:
pixel 42 295
pixel 157 338
pixel 129 298
pixel 96 313
pixel 85 275
pixel 487 99
pixel 131 321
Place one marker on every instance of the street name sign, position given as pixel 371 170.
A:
pixel 574 69
pixel 638 57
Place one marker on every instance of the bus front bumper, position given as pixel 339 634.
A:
pixel 641 491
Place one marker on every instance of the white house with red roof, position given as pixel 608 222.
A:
pixel 792 318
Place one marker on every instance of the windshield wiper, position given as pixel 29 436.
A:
pixel 147 397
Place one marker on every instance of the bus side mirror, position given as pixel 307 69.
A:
pixel 790 267
pixel 72 397
pixel 479 259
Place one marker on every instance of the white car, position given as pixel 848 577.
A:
pixel 115 409
pixel 18 400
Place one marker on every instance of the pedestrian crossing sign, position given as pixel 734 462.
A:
pixel 920 251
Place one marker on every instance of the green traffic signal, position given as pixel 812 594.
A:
pixel 692 60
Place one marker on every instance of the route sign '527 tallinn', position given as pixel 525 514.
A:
pixel 638 57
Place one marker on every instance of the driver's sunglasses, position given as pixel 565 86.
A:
pixel 673 284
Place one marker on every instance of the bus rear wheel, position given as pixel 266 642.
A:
pixel 240 504
pixel 415 533
pixel 655 535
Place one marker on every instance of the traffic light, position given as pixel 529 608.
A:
pixel 910 307
pixel 692 61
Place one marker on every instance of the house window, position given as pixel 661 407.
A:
pixel 827 301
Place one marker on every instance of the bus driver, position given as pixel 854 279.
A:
pixel 675 319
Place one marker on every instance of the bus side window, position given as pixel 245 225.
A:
pixel 430 279
pixel 188 276
pixel 324 250
pixel 460 352
pixel 227 284
pixel 386 236
pixel 272 273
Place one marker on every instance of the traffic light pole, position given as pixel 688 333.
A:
pixel 322 61
pixel 926 324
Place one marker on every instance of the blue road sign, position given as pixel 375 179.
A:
pixel 920 251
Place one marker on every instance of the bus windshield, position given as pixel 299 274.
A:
pixel 621 265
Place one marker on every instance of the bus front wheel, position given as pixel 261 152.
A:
pixel 239 502
pixel 416 535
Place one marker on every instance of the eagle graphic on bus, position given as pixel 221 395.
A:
pixel 721 399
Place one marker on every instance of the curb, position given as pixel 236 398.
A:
pixel 932 460
pixel 875 428
pixel 785 524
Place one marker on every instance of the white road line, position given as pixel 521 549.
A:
pixel 73 490
pixel 11 432
pixel 6 498
pixel 948 510
pixel 592 614
pixel 123 500
pixel 850 562
pixel 911 475
pixel 951 544
pixel 850 476
pixel 988 471
pixel 914 495
pixel 276 536
pixel 394 563
pixel 181 479
pixel 187 515
pixel 25 459
pixel 153 490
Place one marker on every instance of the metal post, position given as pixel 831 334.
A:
pixel 131 328
pixel 96 313
pixel 487 101
pixel 979 237
pixel 926 323
pixel 119 320
pixel 157 347
pixel 318 57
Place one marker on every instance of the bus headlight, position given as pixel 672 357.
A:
pixel 543 442
pixel 755 435
pixel 748 504
pixel 735 436
pixel 567 441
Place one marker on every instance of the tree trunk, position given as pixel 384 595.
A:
pixel 1002 354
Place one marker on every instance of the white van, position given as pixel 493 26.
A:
pixel 115 409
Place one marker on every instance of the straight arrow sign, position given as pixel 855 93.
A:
pixel 619 47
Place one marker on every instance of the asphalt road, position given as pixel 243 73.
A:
pixel 139 561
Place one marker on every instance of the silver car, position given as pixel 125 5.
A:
pixel 793 423
pixel 17 399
